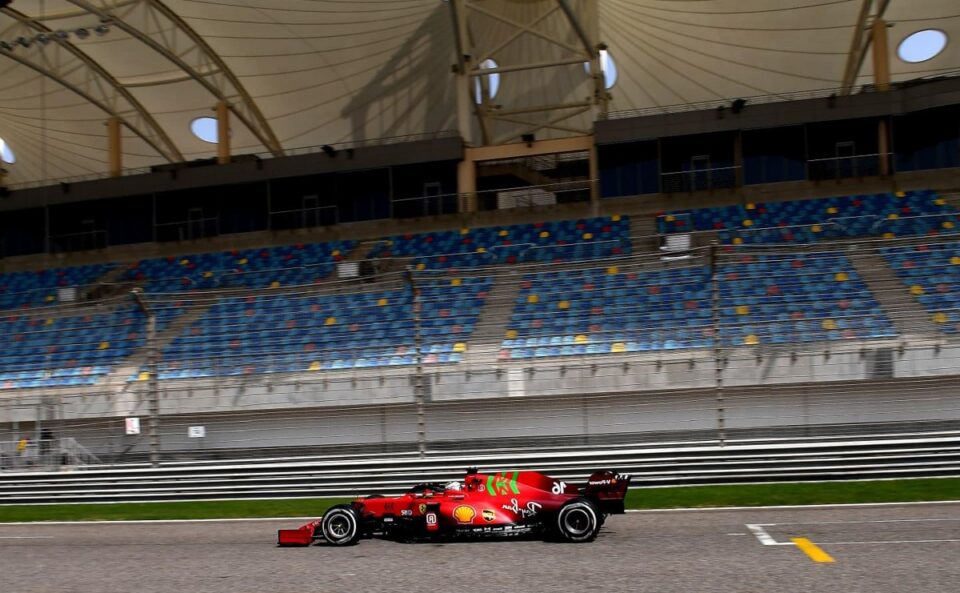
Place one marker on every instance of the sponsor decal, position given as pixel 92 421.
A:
pixel 530 510
pixel 405 512
pixel 608 482
pixel 464 513
pixel 489 515
pixel 502 484
pixel 422 508
pixel 431 518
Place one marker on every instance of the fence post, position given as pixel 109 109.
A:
pixel 153 387
pixel 717 343
pixel 418 384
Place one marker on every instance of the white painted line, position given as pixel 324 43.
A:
pixel 926 520
pixel 155 521
pixel 899 541
pixel 797 506
pixel 765 538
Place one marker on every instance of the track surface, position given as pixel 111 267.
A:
pixel 888 549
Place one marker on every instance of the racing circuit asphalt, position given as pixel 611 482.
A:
pixel 882 549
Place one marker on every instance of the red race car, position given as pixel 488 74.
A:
pixel 500 504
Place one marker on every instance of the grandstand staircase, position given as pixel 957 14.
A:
pixel 136 360
pixel 907 315
pixel 484 343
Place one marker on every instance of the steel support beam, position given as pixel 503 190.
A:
pixel 70 67
pixel 208 69
pixel 860 44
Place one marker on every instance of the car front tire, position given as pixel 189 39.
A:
pixel 340 525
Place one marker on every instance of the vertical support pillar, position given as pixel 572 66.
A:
pixel 223 133
pixel 153 387
pixel 467 184
pixel 717 344
pixel 883 146
pixel 881 55
pixel 419 388
pixel 738 159
pixel 114 146
pixel 594 181
pixel 464 82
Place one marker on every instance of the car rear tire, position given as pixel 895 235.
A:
pixel 578 521
pixel 340 525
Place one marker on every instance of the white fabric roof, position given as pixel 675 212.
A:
pixel 326 71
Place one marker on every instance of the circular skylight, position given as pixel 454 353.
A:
pixel 922 45
pixel 6 155
pixel 492 80
pixel 609 69
pixel 205 128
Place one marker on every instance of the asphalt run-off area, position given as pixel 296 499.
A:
pixel 876 549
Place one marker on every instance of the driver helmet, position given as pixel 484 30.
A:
pixel 454 485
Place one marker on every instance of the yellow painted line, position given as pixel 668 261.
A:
pixel 812 550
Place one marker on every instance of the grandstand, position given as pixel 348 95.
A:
pixel 441 258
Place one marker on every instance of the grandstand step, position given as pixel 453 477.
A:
pixel 907 315
pixel 138 358
pixel 492 322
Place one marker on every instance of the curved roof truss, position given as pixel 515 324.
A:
pixel 204 65
pixel 67 65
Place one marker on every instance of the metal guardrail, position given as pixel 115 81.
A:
pixel 930 454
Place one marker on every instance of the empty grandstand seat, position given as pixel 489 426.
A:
pixel 77 349
pixel 249 268
pixel 763 300
pixel 27 289
pixel 931 273
pixel 569 240
pixel 806 221
pixel 298 333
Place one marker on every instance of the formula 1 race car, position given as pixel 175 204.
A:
pixel 499 504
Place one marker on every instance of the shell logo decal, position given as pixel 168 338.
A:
pixel 464 514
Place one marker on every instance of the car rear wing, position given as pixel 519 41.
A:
pixel 607 490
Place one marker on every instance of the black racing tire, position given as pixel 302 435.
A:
pixel 579 521
pixel 341 525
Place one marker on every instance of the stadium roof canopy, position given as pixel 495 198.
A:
pixel 302 73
